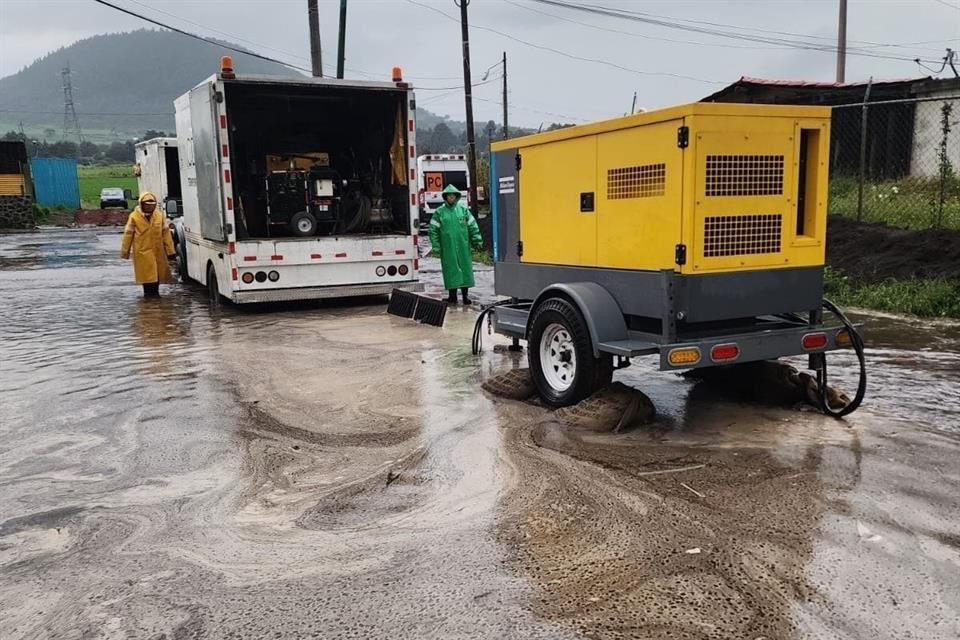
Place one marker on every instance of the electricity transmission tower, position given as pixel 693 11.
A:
pixel 70 122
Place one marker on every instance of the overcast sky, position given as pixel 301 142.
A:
pixel 544 85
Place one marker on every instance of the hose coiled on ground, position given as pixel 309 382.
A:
pixel 857 342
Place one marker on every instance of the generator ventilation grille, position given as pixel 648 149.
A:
pixel 643 181
pixel 742 235
pixel 746 175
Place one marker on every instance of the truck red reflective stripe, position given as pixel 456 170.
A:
pixel 249 258
pixel 223 121
pixel 225 151
pixel 276 257
pixel 315 256
pixel 231 247
pixel 226 175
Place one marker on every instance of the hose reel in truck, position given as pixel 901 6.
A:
pixel 695 234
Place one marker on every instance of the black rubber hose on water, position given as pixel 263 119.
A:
pixel 857 342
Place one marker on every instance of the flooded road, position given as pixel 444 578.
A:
pixel 330 471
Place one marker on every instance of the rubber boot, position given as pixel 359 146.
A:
pixel 466 299
pixel 452 298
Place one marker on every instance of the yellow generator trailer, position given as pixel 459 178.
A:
pixel 696 233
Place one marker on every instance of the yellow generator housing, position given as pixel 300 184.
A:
pixel 700 188
pixel 723 196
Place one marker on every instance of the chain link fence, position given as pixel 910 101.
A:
pixel 897 162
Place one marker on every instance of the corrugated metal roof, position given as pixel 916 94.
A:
pixel 12 184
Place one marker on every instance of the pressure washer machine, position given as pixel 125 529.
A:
pixel 694 233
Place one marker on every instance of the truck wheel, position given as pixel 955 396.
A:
pixel 560 352
pixel 182 262
pixel 303 224
pixel 213 288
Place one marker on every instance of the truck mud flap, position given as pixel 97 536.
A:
pixel 420 308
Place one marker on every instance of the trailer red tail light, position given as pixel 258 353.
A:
pixel 813 341
pixel 248 277
pixel 403 269
pixel 724 353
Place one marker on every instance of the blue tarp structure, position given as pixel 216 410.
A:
pixel 55 182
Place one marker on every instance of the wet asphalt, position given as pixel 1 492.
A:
pixel 329 471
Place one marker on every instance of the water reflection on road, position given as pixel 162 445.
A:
pixel 330 471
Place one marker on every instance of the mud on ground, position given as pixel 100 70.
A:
pixel 872 252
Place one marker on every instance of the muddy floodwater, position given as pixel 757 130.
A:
pixel 328 471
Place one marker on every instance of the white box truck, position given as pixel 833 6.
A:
pixel 434 172
pixel 297 188
pixel 157 166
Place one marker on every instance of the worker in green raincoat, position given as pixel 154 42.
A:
pixel 453 230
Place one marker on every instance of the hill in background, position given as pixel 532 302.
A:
pixel 125 84
pixel 135 74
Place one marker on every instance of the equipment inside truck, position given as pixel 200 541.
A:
pixel 309 164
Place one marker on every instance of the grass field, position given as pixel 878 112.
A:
pixel 928 297
pixel 908 203
pixel 94 178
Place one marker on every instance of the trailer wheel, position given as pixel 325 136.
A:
pixel 303 224
pixel 213 287
pixel 560 352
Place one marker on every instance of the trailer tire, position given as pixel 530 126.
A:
pixel 303 224
pixel 213 287
pixel 560 353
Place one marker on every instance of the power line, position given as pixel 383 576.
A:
pixel 84 113
pixel 947 4
pixel 233 36
pixel 792 34
pixel 644 36
pixel 666 23
pixel 569 55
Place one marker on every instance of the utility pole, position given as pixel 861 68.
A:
pixel 342 40
pixel 313 17
pixel 468 99
pixel 506 122
pixel 842 43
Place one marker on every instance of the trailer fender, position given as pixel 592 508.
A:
pixel 600 311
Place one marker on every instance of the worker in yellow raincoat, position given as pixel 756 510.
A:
pixel 147 237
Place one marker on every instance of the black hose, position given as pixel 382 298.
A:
pixel 857 342
pixel 476 345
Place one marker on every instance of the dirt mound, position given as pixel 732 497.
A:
pixel 871 252
pixel 101 217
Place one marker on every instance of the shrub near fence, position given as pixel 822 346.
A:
pixel 897 162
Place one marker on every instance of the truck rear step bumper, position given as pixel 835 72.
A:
pixel 317 293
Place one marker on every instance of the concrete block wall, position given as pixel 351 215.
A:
pixel 16 212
